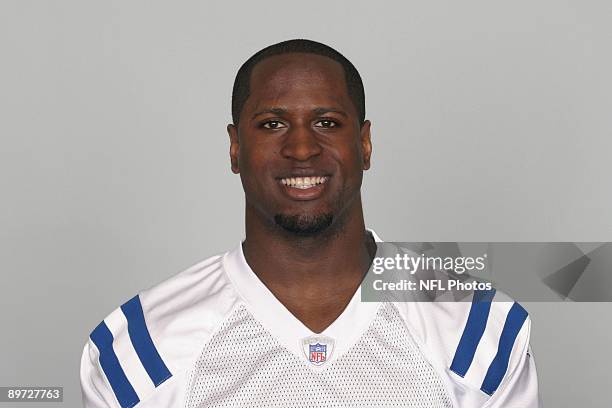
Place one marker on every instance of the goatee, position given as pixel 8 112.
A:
pixel 304 225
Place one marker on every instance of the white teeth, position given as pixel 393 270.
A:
pixel 303 182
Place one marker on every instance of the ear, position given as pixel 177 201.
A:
pixel 366 144
pixel 232 131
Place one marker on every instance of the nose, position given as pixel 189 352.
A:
pixel 300 144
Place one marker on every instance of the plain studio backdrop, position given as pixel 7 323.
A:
pixel 491 122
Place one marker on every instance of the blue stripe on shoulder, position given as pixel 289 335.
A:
pixel 514 321
pixel 142 342
pixel 103 339
pixel 473 331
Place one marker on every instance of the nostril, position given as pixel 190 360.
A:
pixel 301 147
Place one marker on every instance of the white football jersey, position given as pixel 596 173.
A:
pixel 215 336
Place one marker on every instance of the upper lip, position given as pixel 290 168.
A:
pixel 304 173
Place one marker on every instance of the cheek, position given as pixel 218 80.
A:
pixel 350 160
pixel 249 158
pixel 256 151
pixel 256 167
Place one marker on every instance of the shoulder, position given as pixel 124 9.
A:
pixel 154 336
pixel 477 345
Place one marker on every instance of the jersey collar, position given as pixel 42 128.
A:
pixel 283 325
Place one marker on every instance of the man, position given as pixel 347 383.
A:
pixel 278 320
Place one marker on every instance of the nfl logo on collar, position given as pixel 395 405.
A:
pixel 318 353
pixel 318 349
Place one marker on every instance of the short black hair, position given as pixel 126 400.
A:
pixel 241 90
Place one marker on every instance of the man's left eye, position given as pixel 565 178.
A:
pixel 326 123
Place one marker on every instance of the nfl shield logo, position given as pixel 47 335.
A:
pixel 318 349
pixel 318 353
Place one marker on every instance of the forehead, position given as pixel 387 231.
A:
pixel 298 78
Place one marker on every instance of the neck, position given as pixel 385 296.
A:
pixel 312 276
pixel 341 252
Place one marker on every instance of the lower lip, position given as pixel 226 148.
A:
pixel 304 194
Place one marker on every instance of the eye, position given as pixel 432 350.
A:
pixel 326 123
pixel 273 124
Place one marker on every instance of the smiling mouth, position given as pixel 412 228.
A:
pixel 304 183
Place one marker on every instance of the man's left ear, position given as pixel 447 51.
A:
pixel 366 144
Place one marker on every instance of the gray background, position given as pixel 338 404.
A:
pixel 491 122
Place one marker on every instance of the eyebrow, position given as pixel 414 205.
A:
pixel 323 110
pixel 280 111
pixel 276 111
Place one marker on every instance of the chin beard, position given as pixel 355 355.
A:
pixel 303 224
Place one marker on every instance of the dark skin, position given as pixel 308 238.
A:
pixel 300 121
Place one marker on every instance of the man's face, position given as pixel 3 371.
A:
pixel 299 147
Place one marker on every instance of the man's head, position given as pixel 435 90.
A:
pixel 299 139
pixel 242 83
